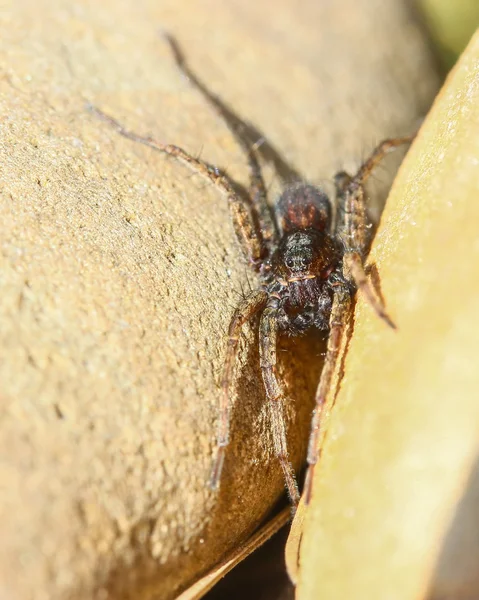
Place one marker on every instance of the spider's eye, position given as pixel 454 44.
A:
pixel 297 262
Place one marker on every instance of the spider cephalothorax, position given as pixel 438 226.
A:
pixel 309 268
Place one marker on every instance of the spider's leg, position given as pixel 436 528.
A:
pixel 353 223
pixel 377 155
pixel 245 311
pixel 353 264
pixel 339 316
pixel 268 334
pixel 239 129
pixel 244 216
pixel 356 239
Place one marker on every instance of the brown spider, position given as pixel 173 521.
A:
pixel 309 268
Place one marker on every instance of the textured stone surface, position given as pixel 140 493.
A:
pixel 119 270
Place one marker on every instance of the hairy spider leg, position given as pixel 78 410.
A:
pixel 339 314
pixel 246 226
pixel 378 154
pixel 353 225
pixel 252 304
pixel 257 189
pixel 351 195
pixel 268 334
pixel 354 264
pixel 252 243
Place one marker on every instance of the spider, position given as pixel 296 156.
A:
pixel 309 267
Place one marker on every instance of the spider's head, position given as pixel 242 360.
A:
pixel 305 254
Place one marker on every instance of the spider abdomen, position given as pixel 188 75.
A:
pixel 303 206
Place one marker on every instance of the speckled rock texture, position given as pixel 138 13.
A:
pixel 119 270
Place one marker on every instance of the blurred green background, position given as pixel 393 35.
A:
pixel 451 24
